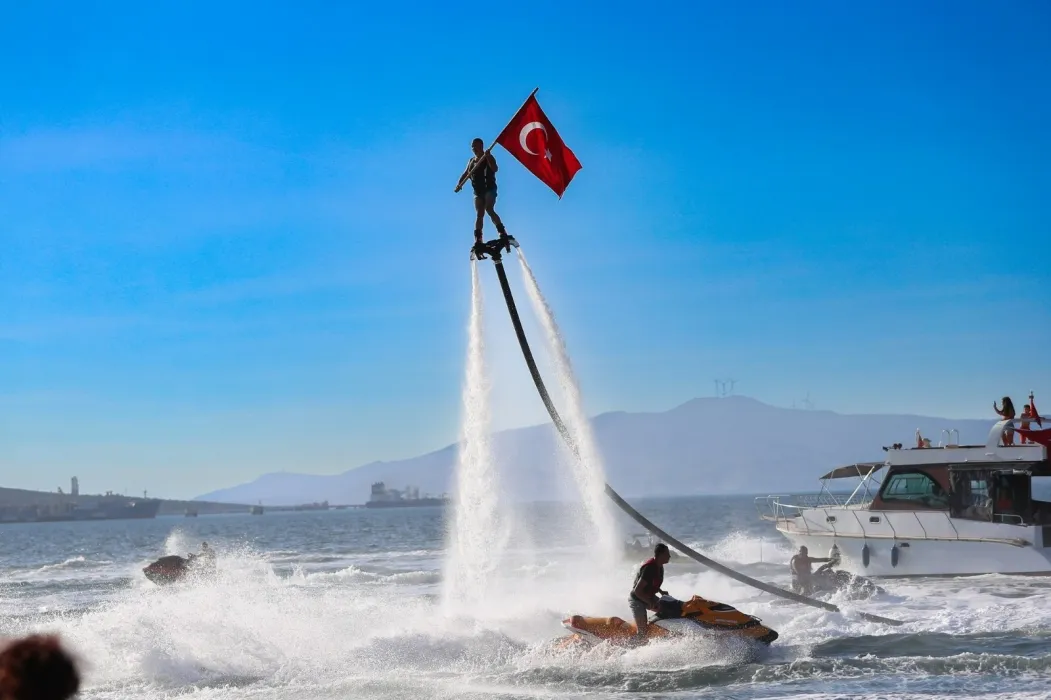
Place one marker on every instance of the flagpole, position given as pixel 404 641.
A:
pixel 493 144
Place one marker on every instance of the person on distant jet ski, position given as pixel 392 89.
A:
pixel 206 558
pixel 647 586
pixel 801 572
pixel 483 180
pixel 207 553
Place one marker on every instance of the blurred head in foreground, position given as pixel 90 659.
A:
pixel 37 668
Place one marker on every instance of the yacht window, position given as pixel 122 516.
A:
pixel 979 496
pixel 915 487
pixel 971 495
pixel 1041 488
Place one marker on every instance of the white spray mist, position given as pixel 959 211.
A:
pixel 479 532
pixel 588 471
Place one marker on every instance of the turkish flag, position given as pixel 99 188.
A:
pixel 532 139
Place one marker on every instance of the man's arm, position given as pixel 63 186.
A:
pixel 463 178
pixel 492 161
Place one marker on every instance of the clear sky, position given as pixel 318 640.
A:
pixel 230 243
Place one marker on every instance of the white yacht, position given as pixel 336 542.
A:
pixel 946 510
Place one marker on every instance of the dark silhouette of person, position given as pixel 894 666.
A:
pixel 37 668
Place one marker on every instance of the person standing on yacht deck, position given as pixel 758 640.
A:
pixel 1029 414
pixel 1007 412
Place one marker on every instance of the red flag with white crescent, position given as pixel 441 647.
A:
pixel 533 140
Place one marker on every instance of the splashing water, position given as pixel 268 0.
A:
pixel 344 604
pixel 587 466
pixel 480 528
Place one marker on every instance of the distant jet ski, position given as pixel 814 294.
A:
pixel 676 618
pixel 641 546
pixel 174 568
pixel 167 569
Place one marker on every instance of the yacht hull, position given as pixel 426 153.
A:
pixel 920 557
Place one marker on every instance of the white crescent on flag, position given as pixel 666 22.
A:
pixel 525 132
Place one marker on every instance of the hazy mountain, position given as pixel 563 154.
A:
pixel 728 445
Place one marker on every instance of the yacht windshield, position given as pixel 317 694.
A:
pixel 914 487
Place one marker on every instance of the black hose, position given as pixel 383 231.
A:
pixel 624 505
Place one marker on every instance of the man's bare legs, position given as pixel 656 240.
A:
pixel 486 205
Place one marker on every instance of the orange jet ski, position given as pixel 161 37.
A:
pixel 675 618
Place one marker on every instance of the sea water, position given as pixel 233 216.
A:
pixel 343 604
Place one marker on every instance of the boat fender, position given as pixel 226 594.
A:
pixel 894 555
pixel 865 555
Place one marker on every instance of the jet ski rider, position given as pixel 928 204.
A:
pixel 205 558
pixel 207 553
pixel 801 573
pixel 648 582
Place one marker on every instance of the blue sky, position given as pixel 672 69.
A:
pixel 231 246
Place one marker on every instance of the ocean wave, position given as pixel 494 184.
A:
pixel 68 563
pixel 1002 665
pixel 678 673
pixel 744 548
pixel 79 562
pixel 935 645
pixel 353 573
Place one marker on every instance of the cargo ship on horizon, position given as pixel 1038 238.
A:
pixel 382 497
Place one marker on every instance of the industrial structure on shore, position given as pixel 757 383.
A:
pixel 19 506
pixel 382 497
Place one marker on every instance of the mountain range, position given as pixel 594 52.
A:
pixel 723 445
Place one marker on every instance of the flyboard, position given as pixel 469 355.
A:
pixel 494 249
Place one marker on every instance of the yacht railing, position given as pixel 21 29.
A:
pixel 788 518
pixel 781 506
pixel 948 440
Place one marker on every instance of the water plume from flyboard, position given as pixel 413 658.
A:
pixel 479 531
pixel 588 470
